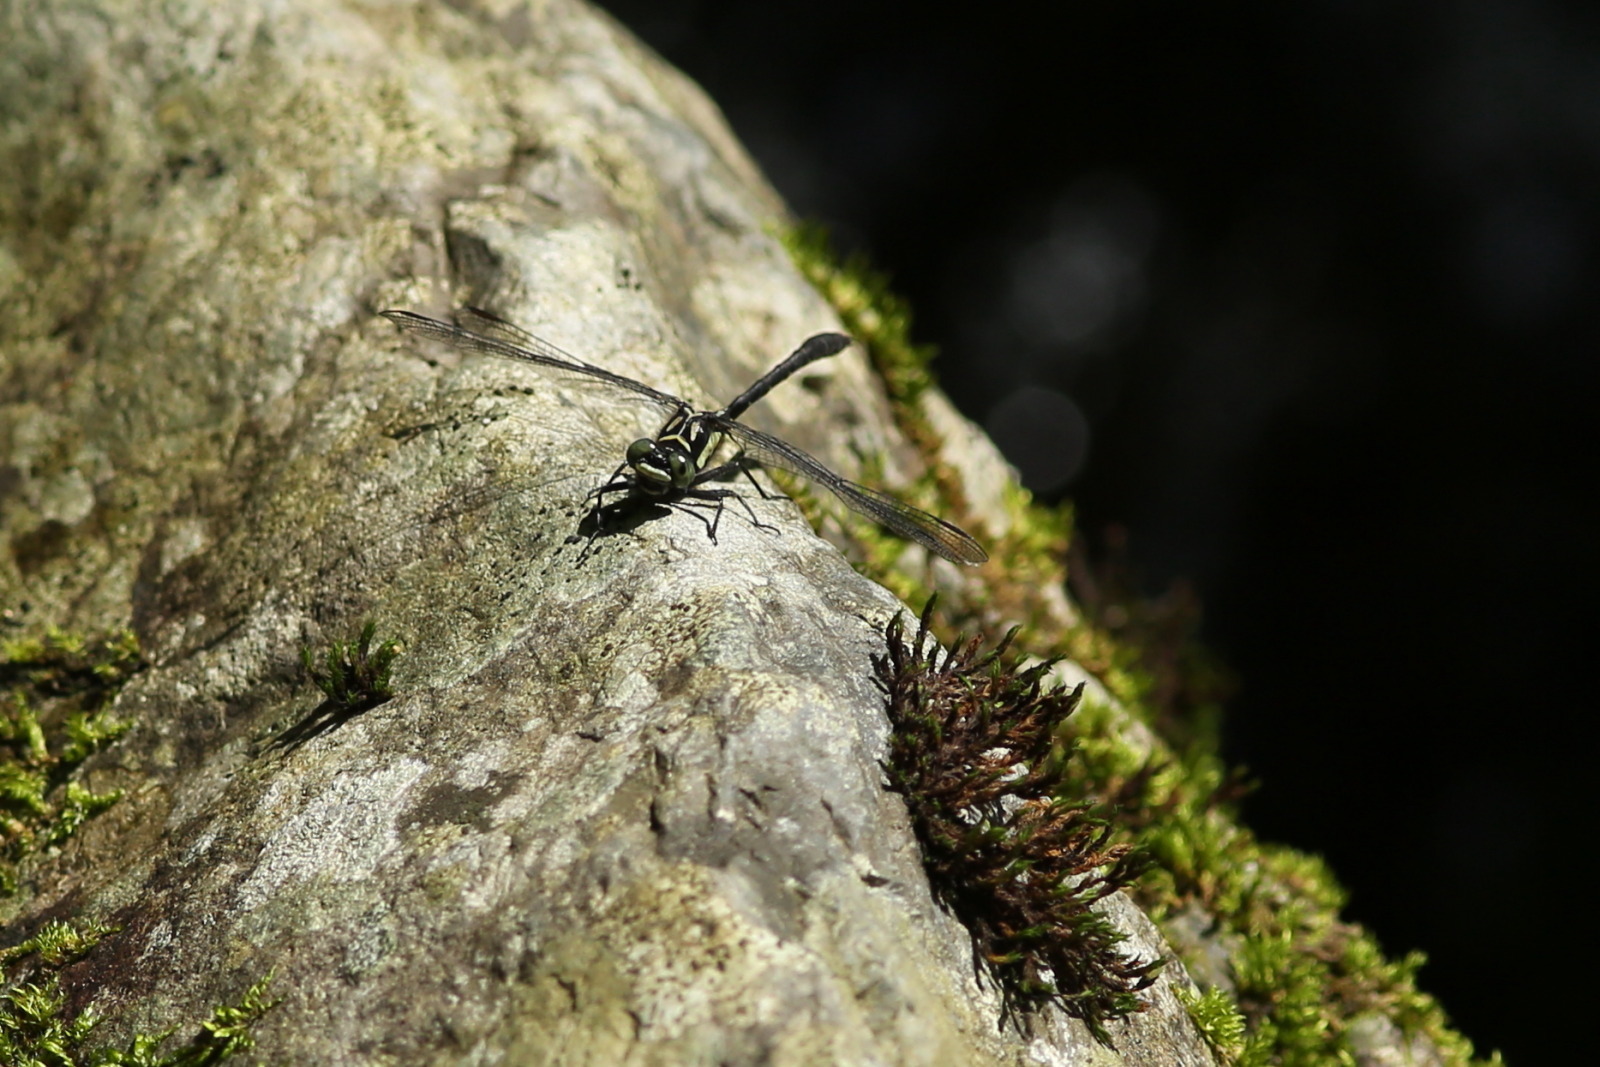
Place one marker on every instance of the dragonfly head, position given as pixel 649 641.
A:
pixel 659 467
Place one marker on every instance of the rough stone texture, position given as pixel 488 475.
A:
pixel 626 808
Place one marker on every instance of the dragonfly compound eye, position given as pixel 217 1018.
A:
pixel 683 469
pixel 650 474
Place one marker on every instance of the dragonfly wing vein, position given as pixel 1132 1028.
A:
pixel 526 349
pixel 930 531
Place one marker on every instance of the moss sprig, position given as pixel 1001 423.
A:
pixel 354 675
pixel 58 942
pixel 978 752
pixel 1218 1019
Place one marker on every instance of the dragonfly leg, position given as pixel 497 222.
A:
pixel 617 483
pixel 605 519
pixel 745 468
pixel 716 501
pixel 739 464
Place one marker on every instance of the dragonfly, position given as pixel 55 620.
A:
pixel 677 462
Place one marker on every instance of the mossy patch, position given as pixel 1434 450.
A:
pixel 1218 1019
pixel 354 676
pixel 1300 976
pixel 39 1029
pixel 54 714
pixel 978 752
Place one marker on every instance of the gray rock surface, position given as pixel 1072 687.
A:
pixel 626 807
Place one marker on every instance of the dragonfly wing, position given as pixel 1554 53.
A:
pixel 930 531
pixel 509 342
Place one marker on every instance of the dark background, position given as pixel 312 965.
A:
pixel 1301 295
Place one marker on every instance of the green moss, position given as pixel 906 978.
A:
pixel 62 663
pixel 58 942
pixel 1301 974
pixel 35 1028
pixel 54 714
pixel 1218 1019
pixel 354 676
pixel 38 1029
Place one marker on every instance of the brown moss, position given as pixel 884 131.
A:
pixel 978 753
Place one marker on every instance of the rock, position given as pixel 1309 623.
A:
pixel 626 804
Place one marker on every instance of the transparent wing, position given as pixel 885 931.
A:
pixel 493 336
pixel 930 531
